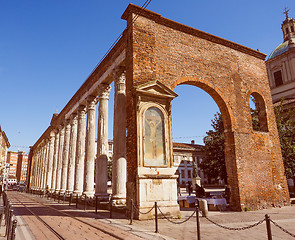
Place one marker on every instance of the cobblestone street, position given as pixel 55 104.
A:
pixel 81 226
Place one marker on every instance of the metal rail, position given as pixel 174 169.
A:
pixel 66 214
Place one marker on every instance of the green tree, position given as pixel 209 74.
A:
pixel 214 163
pixel 286 129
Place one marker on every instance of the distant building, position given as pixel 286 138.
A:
pixel 22 164
pixel 281 65
pixel 281 71
pixel 4 145
pixel 17 162
pixel 185 155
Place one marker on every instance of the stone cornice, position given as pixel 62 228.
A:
pixel 189 30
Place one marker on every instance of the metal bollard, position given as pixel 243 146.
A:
pixel 8 223
pixel 268 227
pixel 156 217
pixel 12 236
pixel 131 211
pixel 96 204
pixel 70 199
pixel 198 221
pixel 85 198
pixel 111 208
pixel 77 200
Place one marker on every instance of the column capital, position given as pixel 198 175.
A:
pixel 120 80
pixel 52 134
pixel 74 118
pixel 91 102
pixel 81 111
pixel 104 91
pixel 118 71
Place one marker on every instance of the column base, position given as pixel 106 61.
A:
pixel 119 200
pixel 79 193
pixel 89 194
pixel 62 191
pixel 69 192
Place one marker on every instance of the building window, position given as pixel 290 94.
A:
pixel 287 30
pixel 292 29
pixel 278 78
pixel 189 173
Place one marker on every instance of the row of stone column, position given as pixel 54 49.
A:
pixel 65 161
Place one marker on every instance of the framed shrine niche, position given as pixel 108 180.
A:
pixel 154 132
pixel 154 138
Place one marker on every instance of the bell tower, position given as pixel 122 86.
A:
pixel 288 26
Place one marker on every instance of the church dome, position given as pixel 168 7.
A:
pixel 283 47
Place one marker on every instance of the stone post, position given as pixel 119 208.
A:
pixel 59 161
pixel 90 147
pixel 102 144
pixel 80 151
pixel 119 133
pixel 65 156
pixel 72 153
pixel 50 159
pixel 55 159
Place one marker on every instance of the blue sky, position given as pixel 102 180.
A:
pixel 48 49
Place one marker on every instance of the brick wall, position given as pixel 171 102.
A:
pixel 160 49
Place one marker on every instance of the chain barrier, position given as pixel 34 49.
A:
pixel 284 230
pixel 237 228
pixel 143 212
pixel 177 222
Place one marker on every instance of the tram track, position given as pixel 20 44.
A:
pixel 99 229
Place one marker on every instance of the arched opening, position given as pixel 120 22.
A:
pixel 258 113
pixel 199 136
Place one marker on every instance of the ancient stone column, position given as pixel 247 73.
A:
pixel 80 151
pixel 50 160
pixel 65 157
pixel 34 175
pixel 72 154
pixel 90 147
pixel 102 143
pixel 60 154
pixel 44 164
pixel 55 159
pixel 38 167
pixel 119 139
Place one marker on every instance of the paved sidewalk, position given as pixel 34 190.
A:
pixel 285 217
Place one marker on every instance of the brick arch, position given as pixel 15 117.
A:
pixel 229 146
pixel 260 107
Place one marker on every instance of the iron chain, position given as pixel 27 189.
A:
pixel 142 212
pixel 284 230
pixel 177 222
pixel 237 228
